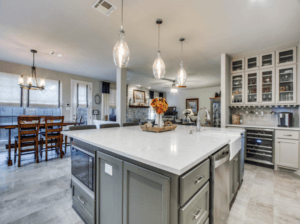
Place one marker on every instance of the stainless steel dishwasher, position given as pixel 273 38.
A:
pixel 219 188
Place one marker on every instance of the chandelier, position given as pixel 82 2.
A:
pixel 27 82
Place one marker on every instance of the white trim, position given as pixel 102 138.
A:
pixel 273 60
pixel 257 87
pixel 257 63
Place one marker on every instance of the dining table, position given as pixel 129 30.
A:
pixel 9 127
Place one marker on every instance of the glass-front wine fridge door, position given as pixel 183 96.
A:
pixel 286 84
pixel 267 87
pixel 251 87
pixel 237 89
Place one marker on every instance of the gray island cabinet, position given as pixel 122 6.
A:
pixel 132 193
pixel 127 176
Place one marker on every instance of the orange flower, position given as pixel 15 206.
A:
pixel 159 105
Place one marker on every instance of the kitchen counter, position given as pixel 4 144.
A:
pixel 174 151
pixel 269 127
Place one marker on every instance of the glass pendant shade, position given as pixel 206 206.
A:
pixel 181 76
pixel 21 80
pixel 29 81
pixel 121 52
pixel 159 68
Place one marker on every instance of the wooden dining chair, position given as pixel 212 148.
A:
pixel 53 138
pixel 28 137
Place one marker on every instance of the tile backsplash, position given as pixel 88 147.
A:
pixel 264 116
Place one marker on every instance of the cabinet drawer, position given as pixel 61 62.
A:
pixel 287 134
pixel 83 202
pixel 197 209
pixel 191 182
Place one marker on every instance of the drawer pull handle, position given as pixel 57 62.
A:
pixel 197 215
pixel 81 200
pixel 199 180
pixel 287 135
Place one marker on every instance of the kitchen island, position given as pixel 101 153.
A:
pixel 144 177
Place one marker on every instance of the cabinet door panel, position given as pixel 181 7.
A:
pixel 286 84
pixel 287 153
pixel 237 65
pixel 237 89
pixel 286 56
pixel 109 189
pixel 267 60
pixel 267 86
pixel 252 63
pixel 146 196
pixel 252 87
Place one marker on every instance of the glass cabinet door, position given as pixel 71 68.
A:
pixel 251 87
pixel 267 86
pixel 237 88
pixel 287 56
pixel 267 60
pixel 237 65
pixel 286 84
pixel 252 63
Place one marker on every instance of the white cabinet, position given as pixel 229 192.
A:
pixel 267 86
pixel 287 153
pixel 267 60
pixel 237 65
pixel 252 63
pixel 286 84
pixel 237 89
pixel 251 84
pixel 286 56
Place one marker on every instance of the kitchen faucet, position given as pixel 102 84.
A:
pixel 198 119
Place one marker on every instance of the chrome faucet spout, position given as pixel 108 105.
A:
pixel 198 118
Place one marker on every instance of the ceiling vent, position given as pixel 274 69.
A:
pixel 104 7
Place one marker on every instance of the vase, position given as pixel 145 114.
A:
pixel 159 120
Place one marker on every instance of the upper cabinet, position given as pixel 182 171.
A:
pixel 252 63
pixel 252 87
pixel 286 84
pixel 267 86
pixel 237 65
pixel 286 57
pixel 237 88
pixel 267 60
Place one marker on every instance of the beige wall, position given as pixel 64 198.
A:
pixel 65 79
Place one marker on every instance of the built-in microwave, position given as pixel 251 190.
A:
pixel 83 166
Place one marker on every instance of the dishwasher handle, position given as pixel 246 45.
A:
pixel 222 161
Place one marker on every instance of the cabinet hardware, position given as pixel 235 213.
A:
pixel 197 215
pixel 287 135
pixel 288 143
pixel 81 200
pixel 199 180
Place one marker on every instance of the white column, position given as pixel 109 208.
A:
pixel 121 95
pixel 225 89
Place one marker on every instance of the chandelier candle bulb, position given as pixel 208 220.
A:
pixel 29 81
pixel 21 80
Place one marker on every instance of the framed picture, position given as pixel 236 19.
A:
pixel 193 104
pixel 139 96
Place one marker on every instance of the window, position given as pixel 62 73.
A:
pixel 82 99
pixel 10 91
pixel 49 97
pixel 112 98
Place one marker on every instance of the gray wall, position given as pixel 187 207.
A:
pixel 65 79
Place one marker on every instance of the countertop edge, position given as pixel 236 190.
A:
pixel 267 127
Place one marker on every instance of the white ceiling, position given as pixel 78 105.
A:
pixel 86 37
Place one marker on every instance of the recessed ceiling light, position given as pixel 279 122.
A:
pixel 149 87
pixel 59 55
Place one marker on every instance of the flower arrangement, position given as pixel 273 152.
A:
pixel 159 105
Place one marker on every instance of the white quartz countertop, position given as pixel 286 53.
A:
pixel 262 126
pixel 174 151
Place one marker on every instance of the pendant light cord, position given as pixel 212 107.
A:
pixel 122 16
pixel 181 52
pixel 158 37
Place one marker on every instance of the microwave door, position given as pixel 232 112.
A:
pixel 80 166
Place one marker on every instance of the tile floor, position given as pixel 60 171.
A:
pixel 267 197
pixel 41 193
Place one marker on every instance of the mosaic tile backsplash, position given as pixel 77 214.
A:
pixel 264 116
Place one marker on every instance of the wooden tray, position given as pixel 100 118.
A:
pixel 168 127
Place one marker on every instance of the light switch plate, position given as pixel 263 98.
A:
pixel 108 169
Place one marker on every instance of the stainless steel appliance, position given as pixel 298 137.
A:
pixel 242 158
pixel 83 165
pixel 260 146
pixel 215 112
pixel 285 119
pixel 219 188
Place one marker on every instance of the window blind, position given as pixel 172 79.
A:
pixel 82 95
pixel 112 98
pixel 49 97
pixel 10 91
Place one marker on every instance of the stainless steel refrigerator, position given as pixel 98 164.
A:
pixel 215 112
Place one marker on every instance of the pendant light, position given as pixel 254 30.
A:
pixel 159 68
pixel 29 80
pixel 121 51
pixel 181 75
